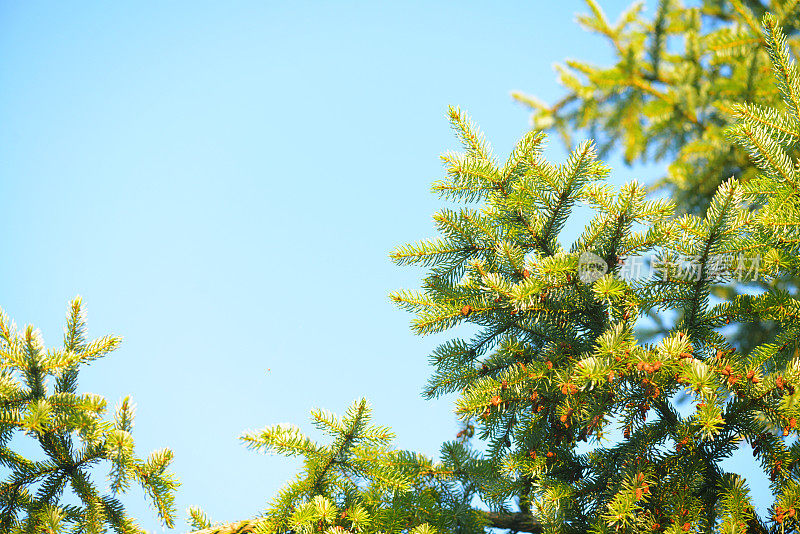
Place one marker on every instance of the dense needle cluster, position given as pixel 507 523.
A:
pixel 40 406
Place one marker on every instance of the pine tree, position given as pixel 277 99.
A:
pixel 41 405
pixel 670 96
pixel 575 418
pixel 359 483
pixel 557 362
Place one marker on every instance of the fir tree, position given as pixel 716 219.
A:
pixel 670 94
pixel 670 97
pixel 359 483
pixel 40 401
pixel 557 359
pixel 559 356
pixel 557 362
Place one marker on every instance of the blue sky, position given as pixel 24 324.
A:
pixel 222 183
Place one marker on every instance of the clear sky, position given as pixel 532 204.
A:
pixel 222 183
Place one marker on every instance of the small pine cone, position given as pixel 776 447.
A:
pixel 496 400
pixel 466 310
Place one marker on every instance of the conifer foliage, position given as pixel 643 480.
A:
pixel 557 361
pixel 41 405
pixel 575 417
pixel 359 483
pixel 670 96
pixel 584 424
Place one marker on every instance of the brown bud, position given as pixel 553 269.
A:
pixel 466 310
